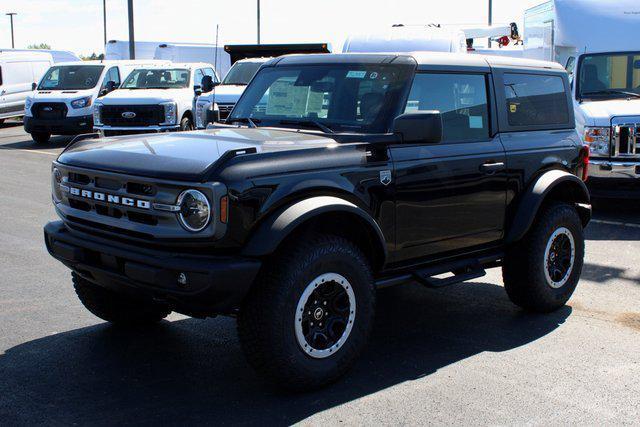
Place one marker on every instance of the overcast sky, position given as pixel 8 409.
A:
pixel 76 25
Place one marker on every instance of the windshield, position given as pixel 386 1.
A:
pixel 348 98
pixel 610 75
pixel 241 73
pixel 71 77
pixel 157 78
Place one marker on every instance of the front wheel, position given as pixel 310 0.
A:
pixel 186 124
pixel 40 137
pixel 541 272
pixel 309 317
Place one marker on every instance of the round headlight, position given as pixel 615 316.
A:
pixel 195 210
pixel 57 175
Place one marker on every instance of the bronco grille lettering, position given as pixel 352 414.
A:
pixel 110 198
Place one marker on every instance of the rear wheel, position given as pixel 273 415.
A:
pixel 309 317
pixel 117 308
pixel 40 137
pixel 186 124
pixel 541 272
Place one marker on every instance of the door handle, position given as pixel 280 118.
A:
pixel 492 167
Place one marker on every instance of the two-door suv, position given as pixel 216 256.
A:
pixel 333 176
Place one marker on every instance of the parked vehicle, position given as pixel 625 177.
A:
pixel 19 71
pixel 246 60
pixel 63 101
pixel 119 49
pixel 195 52
pixel 153 99
pixel 401 38
pixel 57 55
pixel 600 47
pixel 361 171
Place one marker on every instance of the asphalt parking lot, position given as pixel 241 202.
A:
pixel 460 355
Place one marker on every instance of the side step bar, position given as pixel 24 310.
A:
pixel 462 270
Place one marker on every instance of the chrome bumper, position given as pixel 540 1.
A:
pixel 147 128
pixel 614 169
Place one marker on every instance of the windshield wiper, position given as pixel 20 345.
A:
pixel 251 122
pixel 317 124
pixel 612 91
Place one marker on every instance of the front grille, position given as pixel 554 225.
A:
pixel 143 115
pixel 626 140
pixel 49 110
pixel 225 109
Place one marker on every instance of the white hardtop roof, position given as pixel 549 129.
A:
pixel 129 62
pixel 261 60
pixel 165 45
pixel 187 65
pixel 20 53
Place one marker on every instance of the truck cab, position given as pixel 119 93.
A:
pixel 153 99
pixel 63 101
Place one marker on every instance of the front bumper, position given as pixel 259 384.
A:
pixel 67 126
pixel 614 178
pixel 134 129
pixel 215 284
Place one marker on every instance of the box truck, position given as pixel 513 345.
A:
pixel 599 45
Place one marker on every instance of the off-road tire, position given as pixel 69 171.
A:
pixel 524 267
pixel 186 124
pixel 117 308
pixel 40 137
pixel 266 319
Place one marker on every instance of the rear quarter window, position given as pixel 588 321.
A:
pixel 535 100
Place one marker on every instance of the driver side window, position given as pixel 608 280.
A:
pixel 112 75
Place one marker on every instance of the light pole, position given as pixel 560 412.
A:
pixel 490 19
pixel 11 19
pixel 104 20
pixel 258 21
pixel 132 42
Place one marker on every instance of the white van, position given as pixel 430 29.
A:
pixel 401 38
pixel 599 45
pixel 119 49
pixel 195 52
pixel 57 55
pixel 19 71
pixel 63 101
pixel 153 99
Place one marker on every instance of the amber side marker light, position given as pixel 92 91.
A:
pixel 224 209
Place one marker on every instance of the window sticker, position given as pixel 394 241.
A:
pixel 353 74
pixel 513 108
pixel 475 122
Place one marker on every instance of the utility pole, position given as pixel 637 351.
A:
pixel 132 41
pixel 13 45
pixel 104 20
pixel 490 19
pixel 258 21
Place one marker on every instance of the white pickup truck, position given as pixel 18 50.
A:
pixel 153 99
pixel 226 94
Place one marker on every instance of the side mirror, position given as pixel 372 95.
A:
pixel 109 86
pixel 207 84
pixel 424 126
pixel 197 89
pixel 34 85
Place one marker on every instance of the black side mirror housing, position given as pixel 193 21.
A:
pixel 207 84
pixel 109 86
pixel 34 85
pixel 197 89
pixel 213 116
pixel 420 127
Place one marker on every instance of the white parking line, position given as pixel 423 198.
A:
pixel 30 151
pixel 623 224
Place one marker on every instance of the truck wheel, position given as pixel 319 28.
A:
pixel 309 316
pixel 116 308
pixel 40 137
pixel 186 124
pixel 541 272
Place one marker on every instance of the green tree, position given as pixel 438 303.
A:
pixel 92 57
pixel 39 46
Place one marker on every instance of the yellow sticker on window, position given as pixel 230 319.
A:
pixel 513 108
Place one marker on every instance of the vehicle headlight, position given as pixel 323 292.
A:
pixel 195 210
pixel 598 139
pixel 170 113
pixel 97 114
pixel 56 182
pixel 27 104
pixel 81 102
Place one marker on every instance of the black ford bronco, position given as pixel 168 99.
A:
pixel 333 176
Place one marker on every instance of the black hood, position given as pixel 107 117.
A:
pixel 181 156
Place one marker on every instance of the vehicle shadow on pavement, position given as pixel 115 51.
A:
pixel 192 371
pixel 29 144
pixel 604 273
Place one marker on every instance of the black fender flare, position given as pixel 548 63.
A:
pixel 271 232
pixel 537 192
